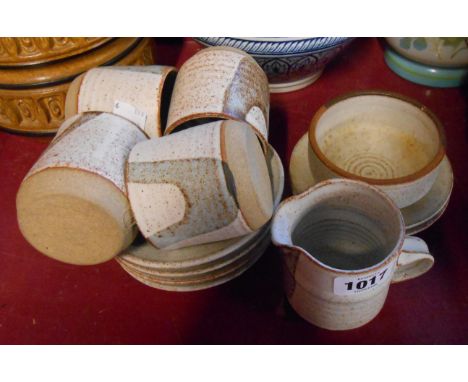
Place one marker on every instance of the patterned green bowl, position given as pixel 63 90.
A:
pixel 433 76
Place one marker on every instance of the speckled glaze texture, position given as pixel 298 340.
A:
pixel 96 143
pixel 140 87
pixel 235 259
pixel 221 83
pixel 403 195
pixel 380 138
pixel 429 209
pixel 211 257
pixel 195 257
pixel 72 204
pixel 182 178
pixel 309 282
pixel 207 265
pixel 290 63
pixel 251 255
pixel 418 216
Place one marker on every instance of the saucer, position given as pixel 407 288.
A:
pixel 417 216
pixel 233 256
pixel 215 279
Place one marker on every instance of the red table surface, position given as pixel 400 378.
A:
pixel 43 301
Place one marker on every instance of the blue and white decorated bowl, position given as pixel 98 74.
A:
pixel 290 63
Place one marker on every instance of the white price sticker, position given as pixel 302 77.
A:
pixel 130 112
pixel 351 285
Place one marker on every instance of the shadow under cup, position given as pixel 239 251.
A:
pixel 349 226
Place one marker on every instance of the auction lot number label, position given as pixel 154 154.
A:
pixel 356 284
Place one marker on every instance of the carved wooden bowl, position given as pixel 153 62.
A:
pixel 32 97
pixel 19 51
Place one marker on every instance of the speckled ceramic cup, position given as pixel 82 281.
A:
pixel 220 83
pixel 194 258
pixel 140 94
pixel 221 261
pixel 344 243
pixel 72 205
pixel 383 139
pixel 200 185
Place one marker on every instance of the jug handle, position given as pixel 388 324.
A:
pixel 413 261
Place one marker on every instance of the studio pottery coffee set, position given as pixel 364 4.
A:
pixel 172 175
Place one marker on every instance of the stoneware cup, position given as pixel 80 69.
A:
pixel 193 258
pixel 72 205
pixel 344 244
pixel 383 139
pixel 200 185
pixel 140 94
pixel 220 83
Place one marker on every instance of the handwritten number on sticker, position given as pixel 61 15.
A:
pixel 130 112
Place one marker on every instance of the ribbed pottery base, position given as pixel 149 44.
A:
pixel 295 85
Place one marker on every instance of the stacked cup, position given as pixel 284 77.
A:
pixel 202 196
pixel 204 265
pixel 73 204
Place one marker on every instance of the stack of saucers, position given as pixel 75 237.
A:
pixel 207 265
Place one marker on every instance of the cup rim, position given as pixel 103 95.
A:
pixel 395 252
pixel 219 117
pixel 429 167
